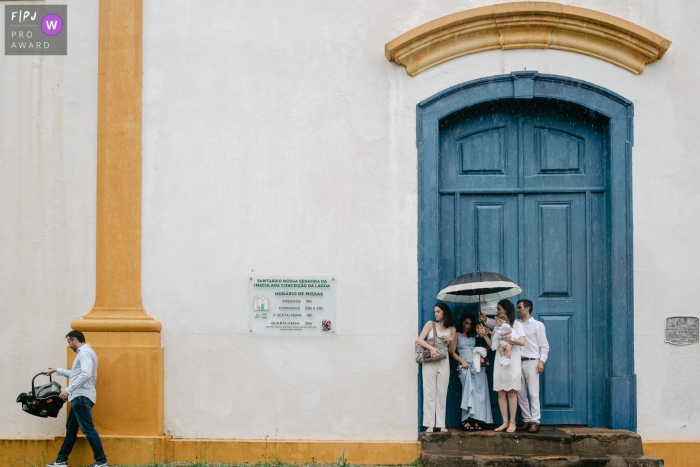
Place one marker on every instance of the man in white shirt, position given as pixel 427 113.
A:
pixel 82 396
pixel 533 355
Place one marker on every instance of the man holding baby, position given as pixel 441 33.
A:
pixel 533 356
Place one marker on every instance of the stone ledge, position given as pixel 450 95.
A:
pixel 460 459
pixel 550 442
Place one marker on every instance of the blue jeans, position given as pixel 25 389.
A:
pixel 80 416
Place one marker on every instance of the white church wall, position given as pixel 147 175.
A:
pixel 48 138
pixel 279 140
pixel 290 117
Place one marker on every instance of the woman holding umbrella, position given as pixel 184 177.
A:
pixel 506 379
pixel 436 374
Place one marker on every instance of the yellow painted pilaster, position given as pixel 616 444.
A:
pixel 129 383
pixel 125 338
pixel 118 304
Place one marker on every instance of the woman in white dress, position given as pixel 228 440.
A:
pixel 506 379
pixel 436 374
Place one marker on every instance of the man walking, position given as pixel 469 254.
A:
pixel 533 355
pixel 82 395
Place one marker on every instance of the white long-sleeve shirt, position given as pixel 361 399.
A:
pixel 536 344
pixel 82 375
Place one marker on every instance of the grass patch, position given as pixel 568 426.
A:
pixel 342 462
pixel 267 461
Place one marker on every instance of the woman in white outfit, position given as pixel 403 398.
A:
pixel 436 374
pixel 506 379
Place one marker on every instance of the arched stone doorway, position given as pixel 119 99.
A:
pixel 529 175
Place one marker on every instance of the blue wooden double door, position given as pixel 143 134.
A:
pixel 522 190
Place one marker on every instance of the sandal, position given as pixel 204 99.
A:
pixel 502 427
pixel 476 427
pixel 514 427
pixel 466 426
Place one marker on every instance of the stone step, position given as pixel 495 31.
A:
pixel 549 442
pixel 462 459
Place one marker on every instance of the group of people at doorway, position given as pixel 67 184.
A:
pixel 521 350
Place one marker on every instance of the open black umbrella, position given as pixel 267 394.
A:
pixel 478 287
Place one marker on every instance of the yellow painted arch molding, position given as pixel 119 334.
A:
pixel 527 25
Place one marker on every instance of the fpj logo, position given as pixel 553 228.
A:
pixel 36 30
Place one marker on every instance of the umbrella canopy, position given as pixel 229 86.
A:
pixel 479 287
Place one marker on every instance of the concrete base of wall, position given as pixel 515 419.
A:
pixel 674 453
pixel 131 450
pixel 135 450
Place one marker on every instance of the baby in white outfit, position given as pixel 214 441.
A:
pixel 503 330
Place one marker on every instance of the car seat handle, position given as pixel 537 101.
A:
pixel 34 390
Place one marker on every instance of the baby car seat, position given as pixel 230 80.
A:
pixel 42 401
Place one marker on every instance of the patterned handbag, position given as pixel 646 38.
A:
pixel 423 354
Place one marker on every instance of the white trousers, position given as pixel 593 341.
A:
pixel 529 384
pixel 436 377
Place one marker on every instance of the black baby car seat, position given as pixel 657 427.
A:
pixel 42 401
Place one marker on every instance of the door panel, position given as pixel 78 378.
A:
pixel 555 275
pixel 562 147
pixel 481 233
pixel 558 152
pixel 490 248
pixel 489 234
pixel 480 152
pixel 555 281
pixel 557 382
pixel 522 193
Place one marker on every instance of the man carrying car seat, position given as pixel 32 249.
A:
pixel 82 395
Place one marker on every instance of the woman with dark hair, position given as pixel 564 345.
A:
pixel 475 404
pixel 436 374
pixel 506 379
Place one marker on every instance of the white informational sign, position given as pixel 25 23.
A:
pixel 292 305
pixel 489 308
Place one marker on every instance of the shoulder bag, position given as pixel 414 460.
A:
pixel 423 354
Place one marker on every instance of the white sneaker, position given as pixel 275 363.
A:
pixel 505 362
pixel 57 463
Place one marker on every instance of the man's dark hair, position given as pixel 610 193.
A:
pixel 526 303
pixel 77 335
